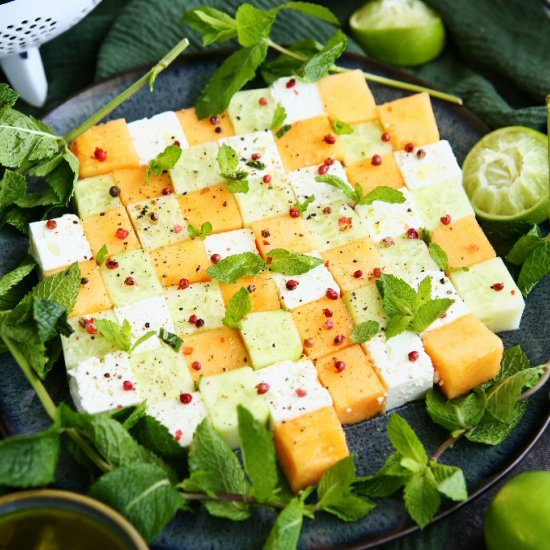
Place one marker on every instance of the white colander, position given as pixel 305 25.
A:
pixel 24 26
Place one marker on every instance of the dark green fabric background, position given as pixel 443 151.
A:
pixel 497 59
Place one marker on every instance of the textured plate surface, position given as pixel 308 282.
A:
pixel 22 413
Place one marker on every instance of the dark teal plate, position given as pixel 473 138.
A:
pixel 21 411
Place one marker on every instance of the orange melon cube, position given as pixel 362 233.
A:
pixel 92 296
pixel 216 205
pixel 133 186
pixel 182 260
pixel 214 351
pixel 311 320
pixel 351 265
pixel 356 391
pixel 308 446
pixel 409 120
pixel 369 176
pixel 282 232
pixel 303 145
pixel 262 291
pixel 114 139
pixel 202 131
pixel 103 229
pixel 464 242
pixel 465 354
pixel 347 97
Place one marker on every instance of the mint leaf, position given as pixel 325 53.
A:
pixel 405 440
pixel 256 164
pixel 387 481
pixel 398 324
pixel 339 183
pixel 439 256
pixel 166 160
pixel 320 64
pixel 213 24
pixel 285 533
pixel 286 262
pixel 63 177
pixel 14 186
pixel 383 193
pixel 228 162
pixel 237 308
pixel 490 431
pixel 449 481
pixel 51 319
pixel 424 292
pixel 399 298
pixel 10 284
pixel 279 117
pixel 8 97
pixel 303 206
pixel 253 25
pixel 258 455
pixel 535 267
pixel 171 339
pixel 524 246
pixel 308 8
pixel 29 460
pixel 229 78
pixel 341 128
pixel 456 414
pixel 365 331
pixel 193 231
pixel 102 254
pixel 422 499
pixel 284 65
pixel 335 495
pixel 427 313
pixel 237 266
pixel 120 336
pixel 219 472
pixel 143 494
pixel 202 233
pixel 514 360
pixel 283 130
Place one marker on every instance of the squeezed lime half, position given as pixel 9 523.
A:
pixel 506 175
pixel 399 32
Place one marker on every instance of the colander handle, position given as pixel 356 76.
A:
pixel 25 73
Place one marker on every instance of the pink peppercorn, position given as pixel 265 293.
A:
pixel 183 284
pixel 413 356
pixel 51 224
pixel 331 294
pixel 121 233
pixel 266 178
pixel 386 136
pixel 412 233
pixel 358 274
pixel 409 147
pixel 292 284
pixel 497 286
pixel 262 387
pixel 338 339
pixel 330 139
pixel 376 160
pixel 340 366
pixel 309 342
pixel 294 213
pixel 262 101
pixel 100 154
pixel 127 385
pixel 130 281
pixel 186 398
pixel 195 365
pixel 445 220
pixel 215 258
pixel 323 169
pixel 291 83
pixel 300 392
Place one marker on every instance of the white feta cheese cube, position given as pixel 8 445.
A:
pixel 58 242
pixel 300 100
pixel 292 389
pixel 304 185
pixel 407 377
pixel 499 307
pixel 181 419
pixel 384 219
pixel 99 386
pixel 196 168
pixel 151 136
pixel 230 243
pixel 435 166
pixel 312 285
pixel 150 314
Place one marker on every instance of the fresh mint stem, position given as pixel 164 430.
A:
pixel 232 497
pixel 50 407
pixel 447 444
pixel 129 92
pixel 372 77
pixel 542 381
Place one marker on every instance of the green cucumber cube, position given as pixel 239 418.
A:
pixel 365 304
pixel 271 336
pixel 92 196
pixel 364 142
pixel 248 113
pixel 223 393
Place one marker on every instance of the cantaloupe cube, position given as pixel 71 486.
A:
pixel 321 324
pixel 261 289
pixel 205 130
pixel 310 445
pixel 409 120
pixel 133 185
pixel 92 296
pixel 114 139
pixel 282 232
pixel 369 176
pixel 214 351
pixel 465 353
pixel 304 144
pixel 464 242
pixel 352 264
pixel 356 391
pixel 183 260
pixel 216 205
pixel 101 229
pixel 347 97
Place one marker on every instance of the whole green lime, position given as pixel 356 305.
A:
pixel 519 516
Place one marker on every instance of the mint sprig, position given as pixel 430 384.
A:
pixel 228 162
pixel 165 160
pixel 170 339
pixel 205 230
pixel 120 336
pixel 303 206
pixel 279 117
pixel 237 309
